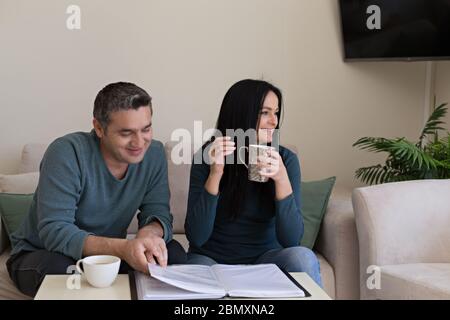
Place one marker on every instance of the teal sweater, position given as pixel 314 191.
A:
pixel 78 196
pixel 262 225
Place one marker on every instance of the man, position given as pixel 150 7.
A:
pixel 90 187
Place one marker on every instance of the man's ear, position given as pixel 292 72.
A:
pixel 98 128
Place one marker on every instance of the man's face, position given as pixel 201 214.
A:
pixel 127 137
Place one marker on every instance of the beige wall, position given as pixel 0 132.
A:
pixel 443 87
pixel 187 54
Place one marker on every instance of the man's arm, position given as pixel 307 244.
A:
pixel 147 246
pixel 153 228
pixel 57 195
pixel 94 245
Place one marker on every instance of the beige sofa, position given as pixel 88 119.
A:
pixel 336 247
pixel 404 234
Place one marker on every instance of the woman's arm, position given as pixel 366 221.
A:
pixel 283 188
pixel 204 192
pixel 202 205
pixel 287 177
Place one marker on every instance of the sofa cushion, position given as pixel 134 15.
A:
pixel 32 154
pixel 417 281
pixel 13 209
pixel 314 197
pixel 19 183
pixel 178 175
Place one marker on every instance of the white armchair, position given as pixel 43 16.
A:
pixel 404 231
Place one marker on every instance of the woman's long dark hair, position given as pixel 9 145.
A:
pixel 241 109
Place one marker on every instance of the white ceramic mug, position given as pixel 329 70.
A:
pixel 254 151
pixel 100 271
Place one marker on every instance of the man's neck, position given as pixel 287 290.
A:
pixel 117 169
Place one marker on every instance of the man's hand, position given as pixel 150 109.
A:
pixel 145 248
pixel 141 251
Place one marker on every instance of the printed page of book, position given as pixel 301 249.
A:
pixel 256 281
pixel 195 278
pixel 149 288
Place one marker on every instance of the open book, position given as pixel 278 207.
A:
pixel 213 282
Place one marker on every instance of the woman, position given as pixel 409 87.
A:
pixel 233 220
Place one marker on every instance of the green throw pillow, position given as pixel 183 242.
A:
pixel 314 195
pixel 13 209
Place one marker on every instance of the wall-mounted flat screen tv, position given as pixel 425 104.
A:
pixel 395 29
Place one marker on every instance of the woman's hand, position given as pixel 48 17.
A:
pixel 272 166
pixel 220 148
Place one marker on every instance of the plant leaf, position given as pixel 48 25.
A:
pixel 434 122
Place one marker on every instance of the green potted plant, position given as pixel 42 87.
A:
pixel 429 158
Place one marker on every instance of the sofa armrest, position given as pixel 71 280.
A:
pixel 338 243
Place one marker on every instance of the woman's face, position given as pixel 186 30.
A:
pixel 268 119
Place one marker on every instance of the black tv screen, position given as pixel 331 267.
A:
pixel 395 29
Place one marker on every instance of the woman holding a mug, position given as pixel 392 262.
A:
pixel 233 220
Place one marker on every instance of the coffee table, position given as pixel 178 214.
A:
pixel 54 287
